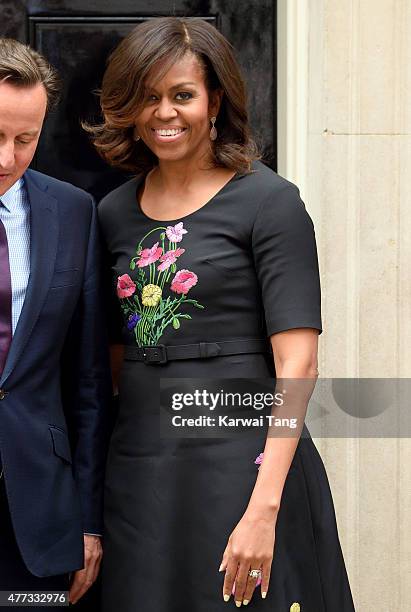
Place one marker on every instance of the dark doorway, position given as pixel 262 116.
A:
pixel 77 37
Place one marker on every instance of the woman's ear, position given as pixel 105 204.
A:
pixel 215 102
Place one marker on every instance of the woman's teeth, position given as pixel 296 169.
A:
pixel 173 132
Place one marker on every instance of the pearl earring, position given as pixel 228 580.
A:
pixel 213 131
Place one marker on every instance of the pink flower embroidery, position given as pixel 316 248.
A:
pixel 125 286
pixel 183 281
pixel 259 459
pixel 149 256
pixel 169 258
pixel 175 233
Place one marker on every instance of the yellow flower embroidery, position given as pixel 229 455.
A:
pixel 151 295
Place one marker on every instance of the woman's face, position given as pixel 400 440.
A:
pixel 175 121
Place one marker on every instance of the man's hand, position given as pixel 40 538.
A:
pixel 84 578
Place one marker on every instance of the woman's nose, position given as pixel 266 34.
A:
pixel 165 109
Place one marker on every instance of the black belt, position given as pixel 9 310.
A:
pixel 160 353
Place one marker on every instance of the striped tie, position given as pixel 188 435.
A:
pixel 5 298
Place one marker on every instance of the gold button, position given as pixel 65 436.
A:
pixel 2 394
pixel 295 607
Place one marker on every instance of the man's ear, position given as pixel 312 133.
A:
pixel 216 97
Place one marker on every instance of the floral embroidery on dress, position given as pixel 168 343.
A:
pixel 147 310
pixel 258 460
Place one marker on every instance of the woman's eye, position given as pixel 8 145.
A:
pixel 184 95
pixel 23 142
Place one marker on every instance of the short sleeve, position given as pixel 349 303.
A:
pixel 285 256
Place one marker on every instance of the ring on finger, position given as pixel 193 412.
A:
pixel 255 573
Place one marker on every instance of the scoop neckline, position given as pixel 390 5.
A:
pixel 210 201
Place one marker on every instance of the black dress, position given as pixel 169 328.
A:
pixel 242 266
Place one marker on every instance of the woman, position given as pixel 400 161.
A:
pixel 211 254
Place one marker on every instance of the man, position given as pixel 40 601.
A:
pixel 54 377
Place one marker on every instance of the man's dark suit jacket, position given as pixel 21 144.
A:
pixel 55 386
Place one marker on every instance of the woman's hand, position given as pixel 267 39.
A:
pixel 250 546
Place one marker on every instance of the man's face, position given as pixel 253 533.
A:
pixel 22 111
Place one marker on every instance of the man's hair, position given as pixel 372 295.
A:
pixel 23 66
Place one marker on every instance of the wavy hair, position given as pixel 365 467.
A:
pixel 159 43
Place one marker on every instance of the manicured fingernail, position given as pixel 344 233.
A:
pixel 238 604
pixel 263 594
pixel 245 602
pixel 220 569
pixel 226 597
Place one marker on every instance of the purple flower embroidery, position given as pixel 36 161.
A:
pixel 132 321
pixel 258 461
pixel 175 233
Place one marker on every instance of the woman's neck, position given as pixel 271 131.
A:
pixel 178 177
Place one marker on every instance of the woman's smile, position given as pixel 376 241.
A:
pixel 168 134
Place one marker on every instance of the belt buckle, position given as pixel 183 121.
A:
pixel 154 353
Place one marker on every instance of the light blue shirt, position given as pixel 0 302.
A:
pixel 15 215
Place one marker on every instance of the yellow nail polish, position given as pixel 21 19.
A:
pixel 226 597
pixel 264 594
pixel 238 604
pixel 246 602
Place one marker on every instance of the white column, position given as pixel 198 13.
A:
pixel 344 129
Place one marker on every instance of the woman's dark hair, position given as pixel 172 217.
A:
pixel 159 43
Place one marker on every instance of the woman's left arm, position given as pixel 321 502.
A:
pixel 251 544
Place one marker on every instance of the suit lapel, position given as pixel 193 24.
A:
pixel 44 232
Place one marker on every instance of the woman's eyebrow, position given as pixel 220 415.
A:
pixel 187 83
pixel 182 85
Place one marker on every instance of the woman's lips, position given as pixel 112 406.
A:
pixel 168 134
